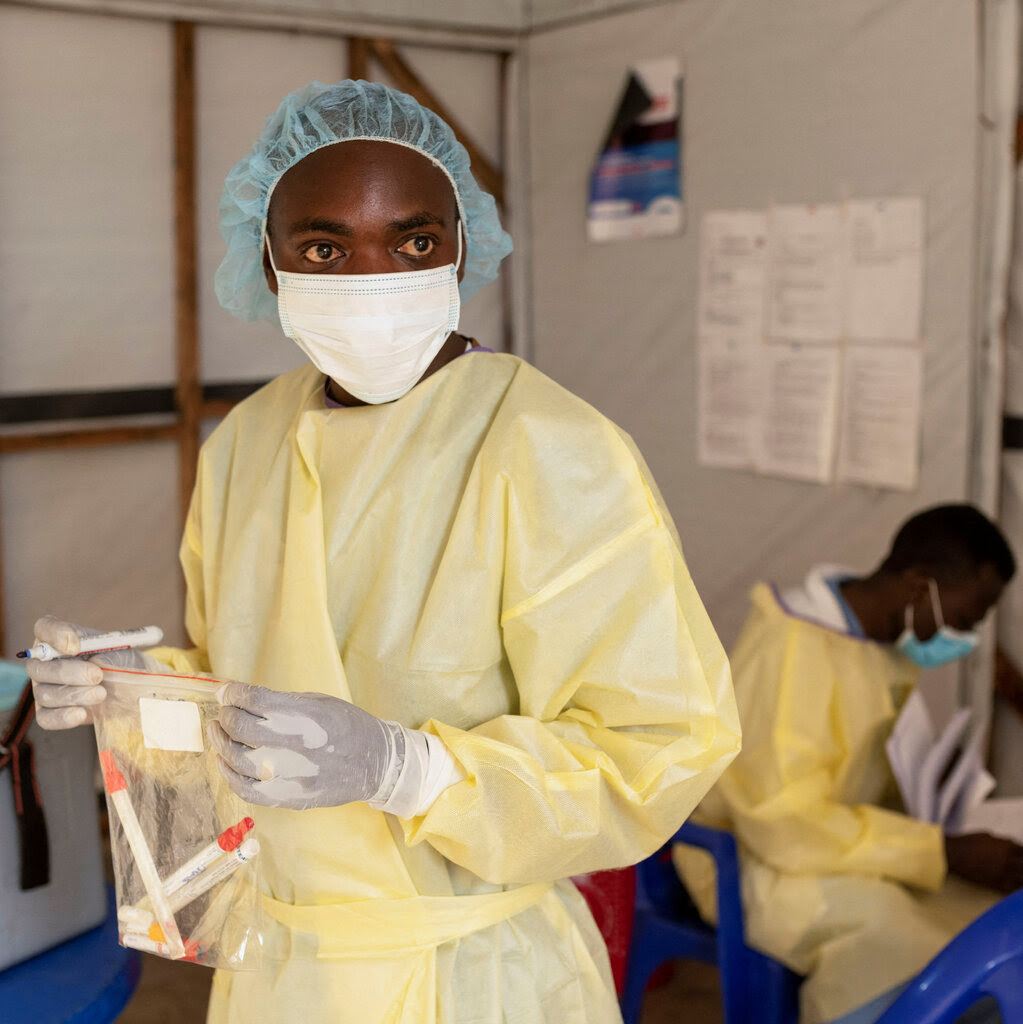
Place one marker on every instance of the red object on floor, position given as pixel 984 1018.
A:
pixel 611 896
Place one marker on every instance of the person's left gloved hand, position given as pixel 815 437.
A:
pixel 302 750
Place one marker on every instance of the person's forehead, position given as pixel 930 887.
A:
pixel 347 168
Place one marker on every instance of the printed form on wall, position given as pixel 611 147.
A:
pixel 879 433
pixel 805 273
pixel 810 357
pixel 729 402
pixel 885 240
pixel 733 263
pixel 797 429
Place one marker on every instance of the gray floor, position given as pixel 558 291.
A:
pixel 176 993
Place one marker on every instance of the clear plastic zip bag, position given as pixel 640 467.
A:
pixel 184 847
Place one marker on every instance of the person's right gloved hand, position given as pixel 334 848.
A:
pixel 67 689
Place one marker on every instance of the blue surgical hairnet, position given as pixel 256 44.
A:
pixel 321 115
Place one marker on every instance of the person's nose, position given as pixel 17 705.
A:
pixel 369 260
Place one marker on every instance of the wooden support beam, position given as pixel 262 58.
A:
pixel 96 437
pixel 358 58
pixel 218 408
pixel 488 176
pixel 188 393
pixel 99 436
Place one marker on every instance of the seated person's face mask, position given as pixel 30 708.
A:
pixel 375 334
pixel 946 645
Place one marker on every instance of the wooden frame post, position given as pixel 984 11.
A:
pixel 358 58
pixel 188 393
pixel 384 51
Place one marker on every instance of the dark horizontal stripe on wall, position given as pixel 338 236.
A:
pixel 1012 433
pixel 40 407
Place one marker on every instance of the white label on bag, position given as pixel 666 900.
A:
pixel 170 724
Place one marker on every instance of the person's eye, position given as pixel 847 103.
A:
pixel 321 252
pixel 420 245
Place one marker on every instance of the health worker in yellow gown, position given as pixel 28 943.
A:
pixel 837 882
pixel 472 660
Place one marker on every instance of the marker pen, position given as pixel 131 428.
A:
pixel 144 636
pixel 228 840
pixel 115 785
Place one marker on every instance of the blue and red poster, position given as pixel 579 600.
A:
pixel 636 184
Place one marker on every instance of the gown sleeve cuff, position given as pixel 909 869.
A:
pixel 427 770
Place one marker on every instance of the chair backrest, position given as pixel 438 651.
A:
pixel 985 958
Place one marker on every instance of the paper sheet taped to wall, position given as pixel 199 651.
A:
pixel 884 267
pixel 797 430
pixel 805 273
pixel 636 183
pixel 880 433
pixel 729 402
pixel 733 265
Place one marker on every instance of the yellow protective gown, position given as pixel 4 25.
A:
pixel 833 884
pixel 486 559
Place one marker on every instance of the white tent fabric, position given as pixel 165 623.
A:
pixel 410 16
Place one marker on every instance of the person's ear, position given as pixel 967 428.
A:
pixel 268 271
pixel 914 584
pixel 464 247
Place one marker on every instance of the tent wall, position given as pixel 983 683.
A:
pixel 783 102
pixel 473 19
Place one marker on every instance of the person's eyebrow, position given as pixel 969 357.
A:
pixel 422 219
pixel 324 224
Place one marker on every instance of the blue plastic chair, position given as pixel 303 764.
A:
pixel 984 959
pixel 755 989
pixel 86 980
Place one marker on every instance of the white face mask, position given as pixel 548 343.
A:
pixel 375 334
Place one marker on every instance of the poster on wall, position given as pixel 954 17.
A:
pixel 636 182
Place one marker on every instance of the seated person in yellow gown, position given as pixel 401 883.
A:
pixel 852 895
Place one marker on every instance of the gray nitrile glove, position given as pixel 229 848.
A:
pixel 66 689
pixel 302 750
